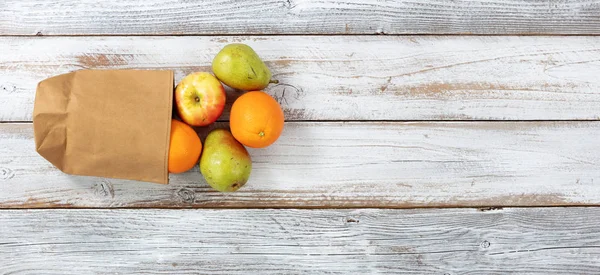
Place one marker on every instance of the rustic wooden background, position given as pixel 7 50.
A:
pixel 422 137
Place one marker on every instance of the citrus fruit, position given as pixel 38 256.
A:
pixel 256 119
pixel 185 147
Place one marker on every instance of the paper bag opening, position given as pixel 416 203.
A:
pixel 106 123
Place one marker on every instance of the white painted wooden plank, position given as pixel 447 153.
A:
pixel 51 17
pixel 348 164
pixel 267 241
pixel 348 78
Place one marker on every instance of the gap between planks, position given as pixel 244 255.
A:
pixel 303 34
pixel 478 208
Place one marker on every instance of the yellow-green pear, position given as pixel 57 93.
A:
pixel 225 163
pixel 238 66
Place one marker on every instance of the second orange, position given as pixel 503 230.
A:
pixel 256 119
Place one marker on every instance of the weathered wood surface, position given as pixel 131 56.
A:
pixel 348 78
pixel 251 241
pixel 52 17
pixel 348 164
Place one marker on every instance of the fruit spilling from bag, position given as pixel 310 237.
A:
pixel 256 119
pixel 119 123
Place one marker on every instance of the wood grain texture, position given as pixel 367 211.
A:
pixel 52 17
pixel 250 241
pixel 348 164
pixel 347 78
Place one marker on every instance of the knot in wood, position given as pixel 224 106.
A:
pixel 6 173
pixel 186 195
pixel 105 189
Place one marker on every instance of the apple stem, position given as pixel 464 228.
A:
pixel 274 81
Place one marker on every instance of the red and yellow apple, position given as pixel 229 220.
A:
pixel 200 99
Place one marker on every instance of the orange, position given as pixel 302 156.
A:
pixel 256 119
pixel 185 147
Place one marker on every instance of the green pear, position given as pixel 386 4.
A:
pixel 238 66
pixel 225 163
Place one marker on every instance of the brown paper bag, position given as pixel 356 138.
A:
pixel 106 123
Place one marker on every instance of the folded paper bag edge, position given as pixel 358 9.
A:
pixel 43 140
pixel 53 126
pixel 168 132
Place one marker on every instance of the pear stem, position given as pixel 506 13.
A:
pixel 274 81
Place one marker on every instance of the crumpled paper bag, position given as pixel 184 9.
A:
pixel 106 123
